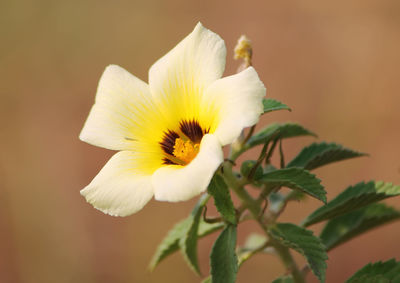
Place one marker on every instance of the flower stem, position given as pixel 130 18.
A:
pixel 255 209
pixel 289 262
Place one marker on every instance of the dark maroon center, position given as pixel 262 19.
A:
pixel 188 129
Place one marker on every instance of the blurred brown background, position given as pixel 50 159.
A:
pixel 335 63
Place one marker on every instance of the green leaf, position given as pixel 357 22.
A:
pixel 304 242
pixel 222 199
pixel 353 198
pixel 345 227
pixel 223 259
pixel 319 154
pixel 269 168
pixel 188 243
pixel 278 131
pixel 252 245
pixel 170 243
pixel 208 228
pixel 298 179
pixel 246 167
pixel 379 272
pixel 206 280
pixel 284 279
pixel 273 105
pixel 254 241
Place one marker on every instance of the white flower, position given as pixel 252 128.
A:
pixel 170 132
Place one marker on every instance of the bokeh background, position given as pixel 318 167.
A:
pixel 336 63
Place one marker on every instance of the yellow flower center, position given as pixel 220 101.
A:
pixel 185 151
pixel 180 146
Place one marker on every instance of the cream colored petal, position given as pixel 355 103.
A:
pixel 122 108
pixel 238 101
pixel 178 79
pixel 119 189
pixel 179 183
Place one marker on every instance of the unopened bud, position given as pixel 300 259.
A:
pixel 243 50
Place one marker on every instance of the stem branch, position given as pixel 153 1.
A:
pixel 253 206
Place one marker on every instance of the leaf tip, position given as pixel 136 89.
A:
pixel 152 265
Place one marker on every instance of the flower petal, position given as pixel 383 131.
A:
pixel 119 189
pixel 178 79
pixel 179 183
pixel 122 106
pixel 238 100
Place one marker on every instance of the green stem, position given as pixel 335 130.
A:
pixel 258 163
pixel 271 151
pixel 203 200
pixel 254 207
pixel 231 180
pixel 288 261
pixel 251 131
pixel 250 254
pixel 234 155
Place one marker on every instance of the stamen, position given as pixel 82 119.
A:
pixel 181 147
pixel 173 160
pixel 185 150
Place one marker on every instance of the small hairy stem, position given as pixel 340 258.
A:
pixel 281 154
pixel 254 206
pixel 267 189
pixel 204 199
pixel 250 133
pixel 264 208
pixel 282 205
pixel 259 162
pixel 239 212
pixel 248 201
pixel 278 213
pixel 210 220
pixel 288 261
pixel 271 150
pixel 254 252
